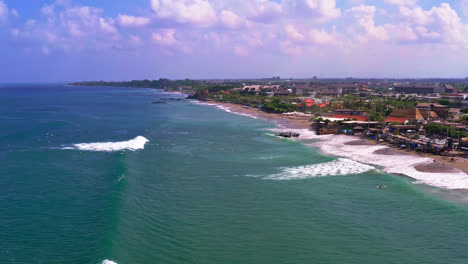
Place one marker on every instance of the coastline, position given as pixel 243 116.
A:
pixel 425 168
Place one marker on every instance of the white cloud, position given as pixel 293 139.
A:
pixel 48 10
pixel 107 25
pixel 165 37
pixel 290 48
pixel 293 34
pixel 232 20
pixel 416 15
pixel 364 24
pixel 132 21
pixel 425 33
pixel 318 10
pixel 197 12
pixel 321 37
pixel 439 22
pixel 135 41
pixel 3 12
pixel 264 11
pixel 402 2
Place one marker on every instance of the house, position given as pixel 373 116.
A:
pixel 284 93
pixel 403 115
pixel 351 114
pixel 345 88
pixel 308 102
pixel 454 113
pixel 418 88
pixel 271 88
pixel 450 89
pixel 253 89
pixel 301 89
pixel 329 93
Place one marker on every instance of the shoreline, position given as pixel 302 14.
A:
pixel 424 168
pixel 288 121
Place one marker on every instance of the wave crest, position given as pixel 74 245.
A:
pixel 106 261
pixel 133 144
pixel 333 168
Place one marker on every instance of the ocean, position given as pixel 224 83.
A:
pixel 103 175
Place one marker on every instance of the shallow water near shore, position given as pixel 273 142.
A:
pixel 187 183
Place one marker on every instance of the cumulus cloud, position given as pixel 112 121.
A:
pixel 165 37
pixel 321 37
pixel 243 27
pixel 364 27
pixel 293 34
pixel 402 2
pixel 48 10
pixel 319 10
pixel 132 21
pixel 197 12
pixel 440 21
pixel 232 20
pixel 107 25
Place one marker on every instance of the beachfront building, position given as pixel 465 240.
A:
pixel 405 116
pixel 350 114
pixel 251 89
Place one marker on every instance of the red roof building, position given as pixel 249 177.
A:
pixel 396 119
pixel 358 118
pixel 309 102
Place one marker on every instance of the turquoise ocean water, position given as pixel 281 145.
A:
pixel 208 187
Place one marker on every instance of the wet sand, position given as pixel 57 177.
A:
pixel 359 142
pixel 435 168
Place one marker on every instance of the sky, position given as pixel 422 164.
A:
pixel 80 40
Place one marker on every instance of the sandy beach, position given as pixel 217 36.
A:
pixel 289 121
pixel 432 164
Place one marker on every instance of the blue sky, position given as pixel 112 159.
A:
pixel 73 40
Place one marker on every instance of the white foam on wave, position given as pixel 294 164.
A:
pixel 224 108
pixel 133 144
pixel 337 167
pixel 396 164
pixel 106 261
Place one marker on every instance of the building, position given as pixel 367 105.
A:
pixel 404 115
pixel 351 114
pixel 418 88
pixel 450 89
pixel 253 89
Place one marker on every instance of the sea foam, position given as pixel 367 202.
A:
pixel 133 144
pixel 106 261
pixel 395 164
pixel 337 167
pixel 225 109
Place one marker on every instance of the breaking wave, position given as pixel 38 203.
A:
pixel 397 164
pixel 337 167
pixel 133 144
pixel 225 108
pixel 106 261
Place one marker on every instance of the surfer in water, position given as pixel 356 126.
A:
pixel 381 186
